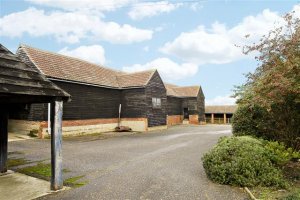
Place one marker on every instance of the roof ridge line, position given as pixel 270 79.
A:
pixel 31 60
pixel 131 73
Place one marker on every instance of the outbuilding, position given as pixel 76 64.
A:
pixel 21 86
pixel 98 94
pixel 221 114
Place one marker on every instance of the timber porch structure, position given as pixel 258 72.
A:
pixel 219 114
pixel 20 86
pixel 98 93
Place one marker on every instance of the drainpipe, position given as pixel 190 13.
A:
pixel 49 117
pixel 119 121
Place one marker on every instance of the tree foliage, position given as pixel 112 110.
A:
pixel 275 84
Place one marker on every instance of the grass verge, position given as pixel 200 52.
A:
pixel 13 162
pixel 74 182
pixel 43 171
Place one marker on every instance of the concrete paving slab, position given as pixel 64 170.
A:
pixel 16 186
pixel 16 137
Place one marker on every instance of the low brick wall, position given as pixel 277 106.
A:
pixel 22 126
pixel 193 119
pixel 89 126
pixel 158 128
pixel 174 120
pixel 136 124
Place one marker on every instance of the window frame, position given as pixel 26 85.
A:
pixel 156 102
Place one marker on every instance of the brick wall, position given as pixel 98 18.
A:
pixel 174 119
pixel 194 119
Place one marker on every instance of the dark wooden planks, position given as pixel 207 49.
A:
pixel 3 139
pixel 156 88
pixel 18 78
pixel 174 106
pixel 133 103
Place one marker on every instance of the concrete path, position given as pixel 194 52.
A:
pixel 16 137
pixel 16 186
pixel 157 165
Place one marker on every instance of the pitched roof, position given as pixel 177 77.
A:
pixel 17 78
pixel 135 79
pixel 229 109
pixel 67 68
pixel 186 91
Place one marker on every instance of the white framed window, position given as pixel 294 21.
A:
pixel 156 102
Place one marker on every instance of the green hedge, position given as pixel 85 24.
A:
pixel 243 161
pixel 251 120
pixel 273 125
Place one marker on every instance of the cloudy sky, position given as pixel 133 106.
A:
pixel 190 42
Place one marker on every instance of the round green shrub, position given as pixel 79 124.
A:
pixel 242 161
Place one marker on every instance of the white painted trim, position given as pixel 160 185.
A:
pixel 49 118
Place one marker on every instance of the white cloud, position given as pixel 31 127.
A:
pixel 69 27
pixel 168 69
pixel 221 100
pixel 196 6
pixel 86 5
pixel 150 9
pixel 146 48
pixel 93 53
pixel 216 45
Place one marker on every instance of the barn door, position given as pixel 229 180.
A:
pixel 186 113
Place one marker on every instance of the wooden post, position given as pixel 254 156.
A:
pixel 225 118
pixel 3 141
pixel 56 145
pixel 212 118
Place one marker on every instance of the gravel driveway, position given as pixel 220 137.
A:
pixel 155 165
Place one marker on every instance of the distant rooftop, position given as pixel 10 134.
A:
pixel 228 109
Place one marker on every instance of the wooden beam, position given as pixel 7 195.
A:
pixel 212 118
pixel 56 145
pixel 3 140
pixel 225 121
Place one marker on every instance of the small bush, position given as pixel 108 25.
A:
pixel 279 154
pixel 242 161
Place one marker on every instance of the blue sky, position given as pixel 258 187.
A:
pixel 190 42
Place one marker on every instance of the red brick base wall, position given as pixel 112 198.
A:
pixel 174 120
pixel 193 119
pixel 82 124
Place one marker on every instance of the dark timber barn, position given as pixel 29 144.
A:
pixel 185 104
pixel 20 86
pixel 97 93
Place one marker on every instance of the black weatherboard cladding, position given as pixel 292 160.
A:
pixel 156 88
pixel 89 102
pixel 174 106
pixel 133 103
